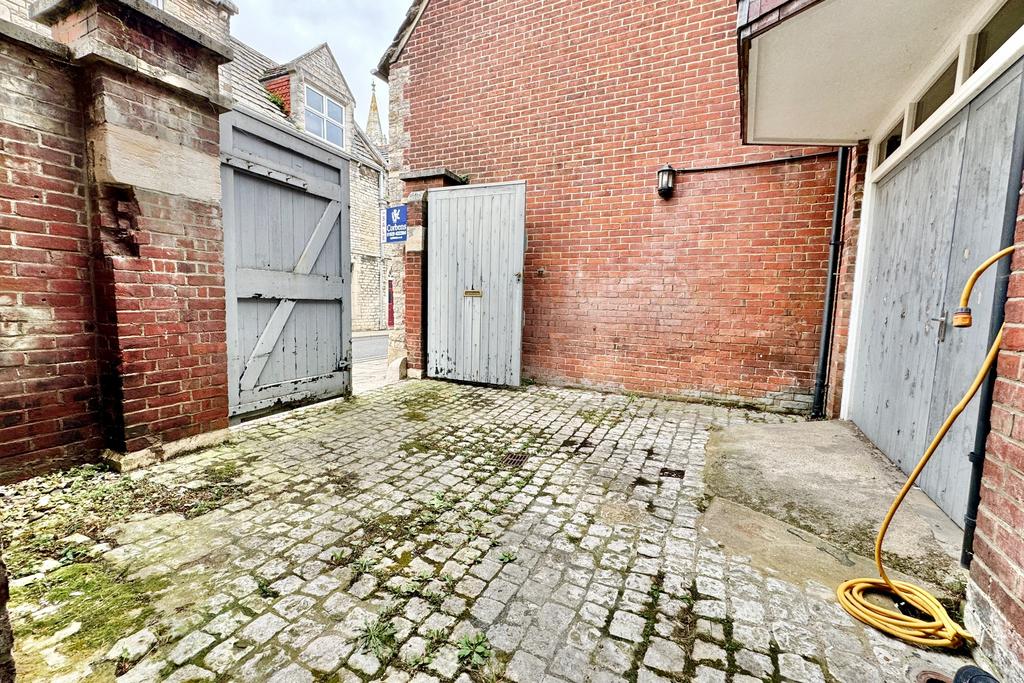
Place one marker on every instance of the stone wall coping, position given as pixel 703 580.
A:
pixel 90 49
pixel 433 173
pixel 49 11
pixel 20 34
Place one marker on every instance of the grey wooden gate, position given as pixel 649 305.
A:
pixel 935 218
pixel 286 255
pixel 475 249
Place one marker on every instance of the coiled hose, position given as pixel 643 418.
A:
pixel 940 630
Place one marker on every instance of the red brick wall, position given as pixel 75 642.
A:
pixel 282 87
pixel 998 567
pixel 48 374
pixel 715 293
pixel 112 329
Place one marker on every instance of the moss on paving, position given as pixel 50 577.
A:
pixel 37 520
pixel 107 605
pixel 418 400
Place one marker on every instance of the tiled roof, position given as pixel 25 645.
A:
pixel 241 79
pixel 394 51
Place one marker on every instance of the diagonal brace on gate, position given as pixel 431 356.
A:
pixel 257 360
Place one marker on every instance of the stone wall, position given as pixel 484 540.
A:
pixel 369 267
pixel 16 11
pixel 716 293
pixel 211 16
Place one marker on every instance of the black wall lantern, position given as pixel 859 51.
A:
pixel 666 181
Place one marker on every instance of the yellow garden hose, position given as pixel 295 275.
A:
pixel 940 630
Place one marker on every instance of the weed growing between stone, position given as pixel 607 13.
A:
pixel 474 650
pixel 378 638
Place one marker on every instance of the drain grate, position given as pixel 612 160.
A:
pixel 672 474
pixel 514 460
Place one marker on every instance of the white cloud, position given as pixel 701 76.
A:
pixel 358 31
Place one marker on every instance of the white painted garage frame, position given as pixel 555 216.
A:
pixel 967 90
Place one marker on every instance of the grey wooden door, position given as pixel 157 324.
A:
pixel 935 219
pixel 286 254
pixel 476 241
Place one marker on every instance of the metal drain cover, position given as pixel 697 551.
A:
pixel 514 460
pixel 671 473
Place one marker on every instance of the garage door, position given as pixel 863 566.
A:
pixel 286 256
pixel 935 218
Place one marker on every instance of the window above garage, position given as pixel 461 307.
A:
pixel 842 71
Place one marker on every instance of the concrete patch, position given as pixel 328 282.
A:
pixel 781 550
pixel 827 479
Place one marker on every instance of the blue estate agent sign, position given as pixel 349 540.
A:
pixel 396 226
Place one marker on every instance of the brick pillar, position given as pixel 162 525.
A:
pixel 415 283
pixel 413 315
pixel 152 99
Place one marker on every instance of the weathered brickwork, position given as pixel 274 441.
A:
pixel 111 254
pixel 48 373
pixel 996 592
pixel 716 293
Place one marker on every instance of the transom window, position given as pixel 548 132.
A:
pixel 159 4
pixel 998 30
pixel 977 48
pixel 325 118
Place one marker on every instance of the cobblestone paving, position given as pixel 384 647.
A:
pixel 434 532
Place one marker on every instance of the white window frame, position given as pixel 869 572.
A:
pixel 968 86
pixel 324 115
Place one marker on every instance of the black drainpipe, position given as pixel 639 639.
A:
pixel 977 456
pixel 835 249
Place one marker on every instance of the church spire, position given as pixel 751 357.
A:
pixel 374 130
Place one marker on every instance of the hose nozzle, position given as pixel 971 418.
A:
pixel 962 317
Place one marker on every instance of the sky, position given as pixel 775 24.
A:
pixel 358 31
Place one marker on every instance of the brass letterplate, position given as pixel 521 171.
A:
pixel 474 293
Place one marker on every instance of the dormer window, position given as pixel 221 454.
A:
pixel 325 118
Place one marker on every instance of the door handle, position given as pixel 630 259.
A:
pixel 942 326
pixel 518 277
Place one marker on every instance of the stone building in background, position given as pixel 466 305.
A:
pixel 311 93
